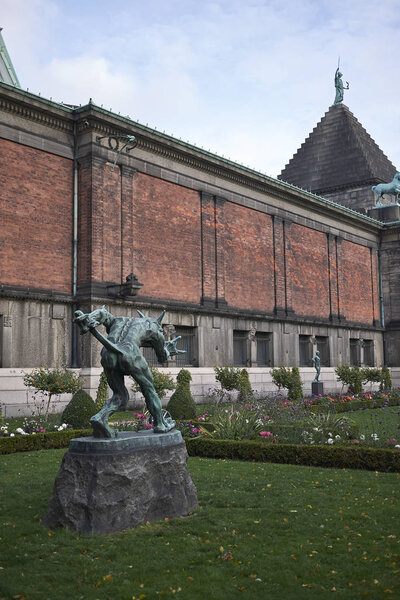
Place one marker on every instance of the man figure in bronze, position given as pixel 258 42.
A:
pixel 121 356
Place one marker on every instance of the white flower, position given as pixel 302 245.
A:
pixel 330 435
pixel 362 437
pixel 397 446
pixel 330 441
pixel 20 431
pixel 12 434
pixel 337 437
pixel 374 436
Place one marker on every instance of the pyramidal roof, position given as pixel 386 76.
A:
pixel 338 154
pixel 7 71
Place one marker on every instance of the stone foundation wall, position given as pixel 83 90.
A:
pixel 16 400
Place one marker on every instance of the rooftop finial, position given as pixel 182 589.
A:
pixel 339 85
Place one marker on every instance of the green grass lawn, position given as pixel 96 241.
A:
pixel 385 422
pixel 262 531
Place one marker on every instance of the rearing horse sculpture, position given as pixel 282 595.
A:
pixel 121 356
pixel 387 188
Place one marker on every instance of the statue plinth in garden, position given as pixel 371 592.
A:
pixel 118 480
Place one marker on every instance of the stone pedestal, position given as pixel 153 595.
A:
pixel 317 388
pixel 108 485
pixel 386 212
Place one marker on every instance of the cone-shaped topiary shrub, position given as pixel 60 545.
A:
pixel 102 391
pixel 78 412
pixel 181 404
pixel 244 385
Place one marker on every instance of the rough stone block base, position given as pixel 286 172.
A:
pixel 317 388
pixel 105 486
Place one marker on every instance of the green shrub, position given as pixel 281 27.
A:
pixel 244 385
pixel 228 377
pixel 232 378
pixel 290 379
pixel 102 392
pixel 162 382
pixel 52 382
pixel 386 380
pixel 40 441
pixel 181 404
pixel 78 412
pixel 354 377
pixel 235 423
pixel 351 376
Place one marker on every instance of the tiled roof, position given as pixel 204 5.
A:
pixel 338 154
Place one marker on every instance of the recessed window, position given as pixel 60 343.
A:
pixel 368 353
pixel 355 355
pixel 323 348
pixel 239 348
pixel 305 350
pixel 264 349
pixel 187 343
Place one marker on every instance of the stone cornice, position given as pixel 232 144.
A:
pixel 35 109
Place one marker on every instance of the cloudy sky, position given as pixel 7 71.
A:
pixel 247 79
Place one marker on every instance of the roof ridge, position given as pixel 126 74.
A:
pixel 358 128
pixel 7 62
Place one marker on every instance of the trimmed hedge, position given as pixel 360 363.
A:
pixel 385 460
pixel 40 441
pixel 339 457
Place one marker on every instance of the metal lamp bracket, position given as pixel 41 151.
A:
pixel 129 143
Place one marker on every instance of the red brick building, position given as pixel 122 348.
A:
pixel 251 270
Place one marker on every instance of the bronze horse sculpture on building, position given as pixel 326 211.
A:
pixel 121 356
pixel 387 188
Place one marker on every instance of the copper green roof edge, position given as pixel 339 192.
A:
pixel 230 163
pixel 8 61
pixel 33 96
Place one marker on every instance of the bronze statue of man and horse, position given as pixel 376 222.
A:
pixel 121 356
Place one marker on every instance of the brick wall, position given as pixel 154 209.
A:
pixel 355 289
pixel 249 275
pixel 36 218
pixel 195 248
pixel 308 273
pixel 166 232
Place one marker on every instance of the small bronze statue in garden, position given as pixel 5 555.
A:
pixel 121 356
pixel 317 364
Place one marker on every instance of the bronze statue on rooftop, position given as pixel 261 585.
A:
pixel 339 87
pixel 121 356
pixel 387 188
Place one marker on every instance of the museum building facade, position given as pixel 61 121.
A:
pixel 252 271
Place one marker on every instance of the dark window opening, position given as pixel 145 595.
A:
pixel 264 349
pixel 305 351
pixel 239 348
pixel 187 343
pixel 368 353
pixel 355 358
pixel 323 348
